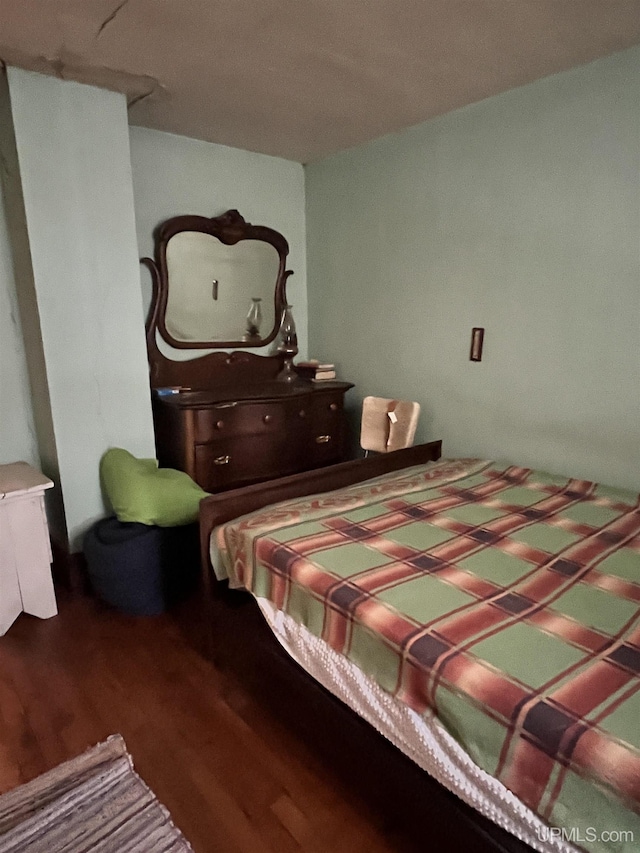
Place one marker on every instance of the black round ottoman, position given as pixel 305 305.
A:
pixel 125 565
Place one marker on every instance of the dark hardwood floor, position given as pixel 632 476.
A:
pixel 233 778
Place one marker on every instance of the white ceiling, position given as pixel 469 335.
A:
pixel 301 79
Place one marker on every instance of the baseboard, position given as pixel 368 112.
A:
pixel 69 570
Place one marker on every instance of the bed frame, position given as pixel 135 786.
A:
pixel 406 802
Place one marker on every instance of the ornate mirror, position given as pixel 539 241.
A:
pixel 218 283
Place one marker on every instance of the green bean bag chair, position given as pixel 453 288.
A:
pixel 141 492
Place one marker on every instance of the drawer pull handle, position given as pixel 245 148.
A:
pixel 302 413
pixel 334 407
pixel 322 439
pixel 219 424
pixel 267 419
pixel 222 460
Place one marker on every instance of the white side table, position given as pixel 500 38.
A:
pixel 25 550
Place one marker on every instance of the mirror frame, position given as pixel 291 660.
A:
pixel 230 228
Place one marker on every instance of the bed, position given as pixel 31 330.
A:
pixel 493 609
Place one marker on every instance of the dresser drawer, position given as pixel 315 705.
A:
pixel 325 448
pixel 234 419
pixel 327 429
pixel 243 459
pixel 327 410
pixel 324 441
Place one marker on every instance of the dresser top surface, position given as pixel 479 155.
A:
pixel 263 391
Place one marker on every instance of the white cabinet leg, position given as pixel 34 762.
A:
pixel 25 551
pixel 32 547
pixel 10 600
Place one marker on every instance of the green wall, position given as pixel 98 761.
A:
pixel 520 214
pixel 17 430
pixel 71 215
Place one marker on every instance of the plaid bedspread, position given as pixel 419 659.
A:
pixel 507 600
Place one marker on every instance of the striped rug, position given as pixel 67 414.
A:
pixel 95 802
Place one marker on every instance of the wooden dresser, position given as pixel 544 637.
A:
pixel 240 417
pixel 231 436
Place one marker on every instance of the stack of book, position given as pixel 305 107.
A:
pixel 315 371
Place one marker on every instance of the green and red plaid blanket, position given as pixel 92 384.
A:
pixel 505 599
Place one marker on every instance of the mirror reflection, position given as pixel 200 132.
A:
pixel 220 292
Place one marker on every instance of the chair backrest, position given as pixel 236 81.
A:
pixel 388 424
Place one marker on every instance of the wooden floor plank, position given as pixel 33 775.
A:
pixel 234 780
